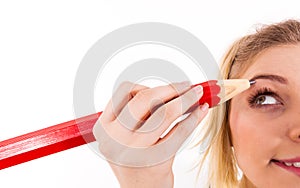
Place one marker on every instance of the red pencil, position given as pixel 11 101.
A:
pixel 47 141
pixel 77 132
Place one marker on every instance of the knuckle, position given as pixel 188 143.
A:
pixel 166 112
pixel 178 88
pixel 143 95
pixel 125 85
pixel 158 114
pixel 128 118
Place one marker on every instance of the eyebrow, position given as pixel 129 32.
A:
pixel 271 77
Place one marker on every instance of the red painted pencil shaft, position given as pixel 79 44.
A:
pixel 47 141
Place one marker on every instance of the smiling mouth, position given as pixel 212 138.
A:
pixel 289 165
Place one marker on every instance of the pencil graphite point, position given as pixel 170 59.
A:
pixel 252 82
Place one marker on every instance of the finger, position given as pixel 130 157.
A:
pixel 182 130
pixel 160 121
pixel 124 93
pixel 145 101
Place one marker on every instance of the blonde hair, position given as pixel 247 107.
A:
pixel 223 170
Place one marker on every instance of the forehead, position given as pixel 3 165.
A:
pixel 279 60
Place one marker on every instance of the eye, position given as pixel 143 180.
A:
pixel 265 99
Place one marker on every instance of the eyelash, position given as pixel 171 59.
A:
pixel 262 92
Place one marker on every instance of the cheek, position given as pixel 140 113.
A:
pixel 247 132
pixel 246 137
pixel 252 146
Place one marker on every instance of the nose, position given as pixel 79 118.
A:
pixel 294 134
pixel 294 126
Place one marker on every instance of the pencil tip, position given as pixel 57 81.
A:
pixel 252 82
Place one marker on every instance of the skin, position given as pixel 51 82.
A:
pixel 120 133
pixel 273 130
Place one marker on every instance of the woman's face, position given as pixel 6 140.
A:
pixel 265 120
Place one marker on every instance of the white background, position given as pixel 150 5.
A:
pixel 43 43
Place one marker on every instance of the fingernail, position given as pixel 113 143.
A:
pixel 204 107
pixel 198 89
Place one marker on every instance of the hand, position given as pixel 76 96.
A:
pixel 130 128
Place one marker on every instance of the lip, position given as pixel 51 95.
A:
pixel 292 169
pixel 294 160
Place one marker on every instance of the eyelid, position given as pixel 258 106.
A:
pixel 267 92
